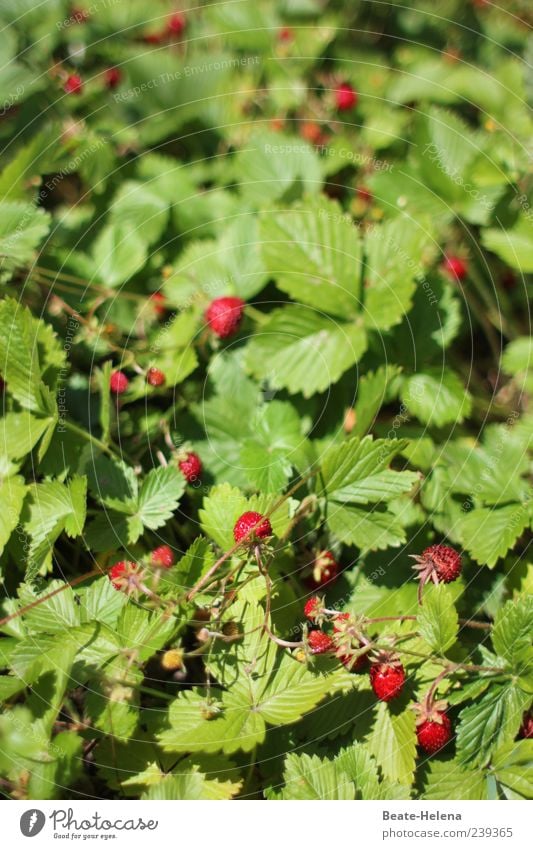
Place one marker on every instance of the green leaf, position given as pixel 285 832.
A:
pixel 314 254
pixel 20 432
pixel 512 633
pixel 372 392
pixel 371 530
pixel 356 471
pixel 514 247
pixel 437 619
pixel 393 744
pixel 489 533
pixel 490 721
pixel 12 494
pixel 436 397
pixel 301 350
pixel 118 253
pixel 311 777
pixel 269 166
pixel 450 780
pixel 138 209
pixel 397 254
pixel 512 767
pixel 54 507
pixel 22 228
pixel 269 454
pixel 159 496
pixel 22 359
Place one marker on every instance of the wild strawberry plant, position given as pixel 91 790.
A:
pixel 265 498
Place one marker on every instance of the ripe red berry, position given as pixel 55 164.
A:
pixel 345 97
pixel 455 267
pixel 158 301
pixel 154 38
pixel 325 569
pixel 123 574
pixel 387 680
pixel 285 34
pixel 526 729
pixel 118 382
pixel 73 84
pixel 190 466
pixel 176 24
pixel 155 377
pixel 348 659
pixel 312 607
pixel 433 734
pixel 79 16
pixel 249 520
pixel 446 562
pixel 224 315
pixel 364 194
pixel 319 642
pixel 163 557
pixel 112 77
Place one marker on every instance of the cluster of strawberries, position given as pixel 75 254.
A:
pixel 174 28
pixel 350 644
pixel 223 317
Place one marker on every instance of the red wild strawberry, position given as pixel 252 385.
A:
pixel 155 376
pixel 387 680
pixel 526 729
pixel 118 382
pixel 176 24
pixel 112 77
pixel 158 300
pixel 124 575
pixel 285 34
pixel 73 84
pixel 364 194
pixel 224 315
pixel 348 659
pixel 245 523
pixel 162 557
pixel 345 97
pixel 438 563
pixel 319 642
pixel 325 569
pixel 190 466
pixel 311 132
pixel 154 38
pixel 433 734
pixel 313 607
pixel 455 267
pixel 79 16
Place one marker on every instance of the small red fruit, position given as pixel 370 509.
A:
pixel 176 24
pixel 285 34
pixel 455 267
pixel 79 16
pixel 345 97
pixel 364 194
pixel 112 77
pixel 313 607
pixel 433 734
pixel 162 557
pixel 118 382
pixel 73 84
pixel 224 315
pixel 387 680
pixel 319 642
pixel 124 575
pixel 155 377
pixel 245 523
pixel 325 569
pixel 526 729
pixel 311 132
pixel 158 301
pixel 190 466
